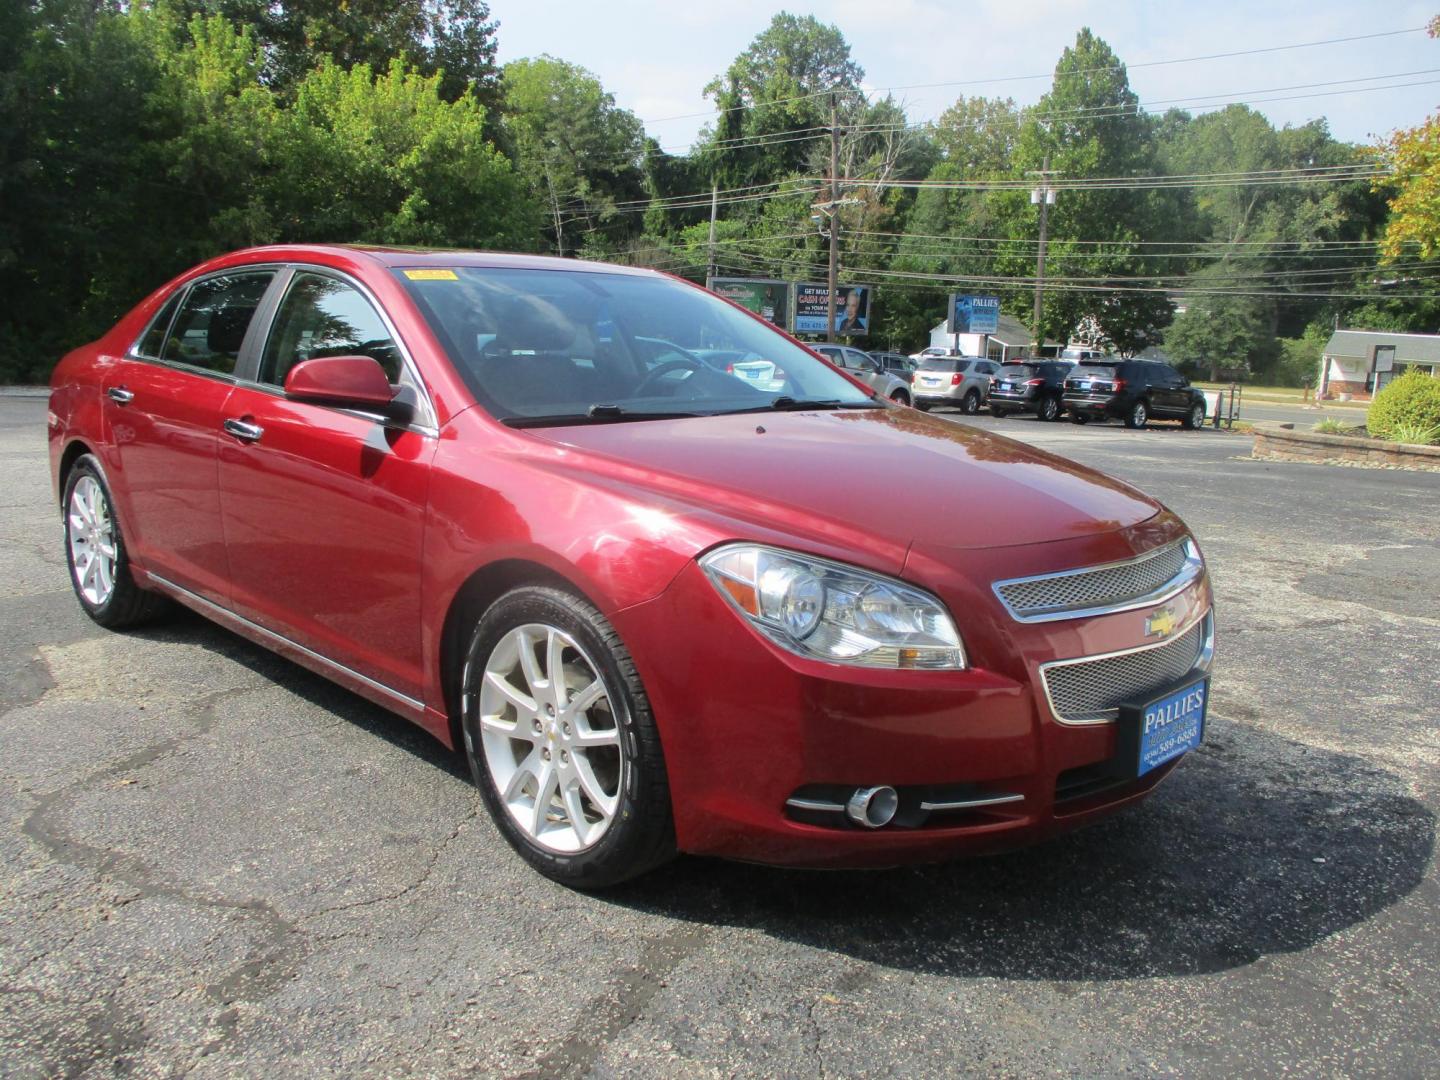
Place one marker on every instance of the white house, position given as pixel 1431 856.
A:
pixel 1359 362
pixel 1011 339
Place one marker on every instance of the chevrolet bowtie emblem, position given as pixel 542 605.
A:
pixel 1160 623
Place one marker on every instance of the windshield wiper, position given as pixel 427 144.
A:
pixel 787 403
pixel 595 414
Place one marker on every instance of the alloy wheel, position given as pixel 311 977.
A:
pixel 550 738
pixel 92 541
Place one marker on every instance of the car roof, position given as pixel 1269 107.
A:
pixel 395 256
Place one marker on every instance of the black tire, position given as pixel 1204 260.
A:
pixel 900 398
pixel 641 835
pixel 1137 415
pixel 127 604
pixel 923 406
pixel 1048 409
pixel 971 403
pixel 1195 418
pixel 1079 418
pixel 999 414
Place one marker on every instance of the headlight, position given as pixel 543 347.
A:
pixel 827 611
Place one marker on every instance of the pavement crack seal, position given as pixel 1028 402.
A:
pixel 638 986
pixel 277 944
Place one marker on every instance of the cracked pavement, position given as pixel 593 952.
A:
pixel 216 864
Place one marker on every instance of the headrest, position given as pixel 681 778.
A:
pixel 532 324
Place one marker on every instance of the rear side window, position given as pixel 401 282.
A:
pixel 153 341
pixel 324 316
pixel 212 321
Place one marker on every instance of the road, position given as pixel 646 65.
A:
pixel 217 864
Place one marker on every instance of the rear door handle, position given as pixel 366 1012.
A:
pixel 120 395
pixel 243 431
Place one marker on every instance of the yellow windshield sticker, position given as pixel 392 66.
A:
pixel 431 275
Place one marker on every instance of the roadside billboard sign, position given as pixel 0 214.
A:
pixel 852 308
pixel 974 314
pixel 768 298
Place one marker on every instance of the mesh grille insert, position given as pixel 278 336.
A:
pixel 1094 689
pixel 1095 588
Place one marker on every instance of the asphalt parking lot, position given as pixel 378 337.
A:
pixel 217 864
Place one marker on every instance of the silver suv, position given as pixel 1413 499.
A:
pixel 962 381
pixel 861 366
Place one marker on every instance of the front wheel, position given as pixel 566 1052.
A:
pixel 971 404
pixel 1079 418
pixel 1049 409
pixel 999 414
pixel 900 397
pixel 96 554
pixel 561 742
pixel 923 406
pixel 1195 418
pixel 1137 415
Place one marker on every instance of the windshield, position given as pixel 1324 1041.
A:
pixel 944 363
pixel 566 346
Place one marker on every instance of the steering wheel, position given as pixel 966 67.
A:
pixel 660 370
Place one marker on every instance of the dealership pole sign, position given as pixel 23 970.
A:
pixel 852 309
pixel 765 297
pixel 974 314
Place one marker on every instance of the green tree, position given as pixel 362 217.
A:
pixel 1215 332
pixel 579 151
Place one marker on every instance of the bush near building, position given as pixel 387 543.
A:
pixel 1411 402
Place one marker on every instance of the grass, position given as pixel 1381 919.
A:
pixel 1415 433
pixel 1280 393
pixel 1331 426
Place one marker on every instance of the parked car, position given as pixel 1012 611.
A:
pixel 960 381
pixel 1029 386
pixel 1135 391
pixel 898 364
pixel 933 350
pixel 656 607
pixel 861 366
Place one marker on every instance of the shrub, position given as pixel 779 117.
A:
pixel 1416 434
pixel 1413 399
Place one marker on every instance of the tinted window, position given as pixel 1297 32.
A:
pixel 945 363
pixel 1094 371
pixel 1017 371
pixel 557 343
pixel 212 321
pixel 153 340
pixel 858 361
pixel 323 316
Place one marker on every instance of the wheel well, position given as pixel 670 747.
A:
pixel 73 453
pixel 480 590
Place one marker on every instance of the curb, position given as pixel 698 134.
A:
pixel 24 391
pixel 1281 442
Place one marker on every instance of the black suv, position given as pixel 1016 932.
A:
pixel 1132 390
pixel 1029 385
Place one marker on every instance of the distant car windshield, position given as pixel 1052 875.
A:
pixel 536 346
pixel 1093 371
pixel 945 363
pixel 1017 371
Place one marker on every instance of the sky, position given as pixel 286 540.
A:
pixel 656 58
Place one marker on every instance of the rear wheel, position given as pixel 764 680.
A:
pixel 96 554
pixel 1048 409
pixel 1137 415
pixel 900 397
pixel 1195 418
pixel 971 403
pixel 561 742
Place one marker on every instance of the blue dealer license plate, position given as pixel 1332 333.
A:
pixel 1168 726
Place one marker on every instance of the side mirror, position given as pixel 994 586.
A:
pixel 357 382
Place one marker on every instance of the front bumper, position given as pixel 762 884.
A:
pixel 747 727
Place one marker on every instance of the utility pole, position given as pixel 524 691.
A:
pixel 1044 195
pixel 714 207
pixel 834 221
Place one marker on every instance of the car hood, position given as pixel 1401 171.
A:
pixel 898 476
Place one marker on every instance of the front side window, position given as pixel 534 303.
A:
pixel 152 342
pixel 563 346
pixel 324 316
pixel 211 323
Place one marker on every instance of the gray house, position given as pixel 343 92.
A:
pixel 1360 362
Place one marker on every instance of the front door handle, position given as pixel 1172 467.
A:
pixel 243 431
pixel 120 395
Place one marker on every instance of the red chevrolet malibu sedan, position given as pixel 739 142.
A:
pixel 669 580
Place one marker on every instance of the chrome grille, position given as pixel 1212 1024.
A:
pixel 1088 691
pixel 1077 591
